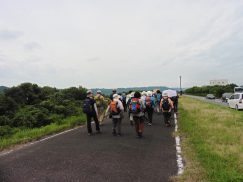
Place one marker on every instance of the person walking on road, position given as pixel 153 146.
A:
pixel 175 102
pixel 90 109
pixel 150 105
pixel 116 110
pixel 124 101
pixel 166 105
pixel 136 109
pixel 158 99
pixel 113 92
pixel 100 103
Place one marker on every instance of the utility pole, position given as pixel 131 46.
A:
pixel 180 87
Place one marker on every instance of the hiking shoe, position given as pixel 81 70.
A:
pixel 149 124
pixel 114 133
pixel 167 125
pixel 90 134
pixel 119 134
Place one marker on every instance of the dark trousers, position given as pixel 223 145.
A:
pixel 125 106
pixel 139 124
pixel 89 119
pixel 150 112
pixel 116 124
pixel 167 116
pixel 176 106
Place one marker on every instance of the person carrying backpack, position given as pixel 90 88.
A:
pixel 150 105
pixel 175 102
pixel 124 99
pixel 166 105
pixel 116 110
pixel 100 103
pixel 113 92
pixel 136 108
pixel 129 98
pixel 158 99
pixel 90 109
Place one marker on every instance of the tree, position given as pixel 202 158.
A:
pixel 7 105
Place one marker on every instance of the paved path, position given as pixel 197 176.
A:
pixel 74 156
pixel 215 101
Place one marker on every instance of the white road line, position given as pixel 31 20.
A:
pixel 178 149
pixel 38 141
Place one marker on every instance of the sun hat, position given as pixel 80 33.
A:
pixel 149 93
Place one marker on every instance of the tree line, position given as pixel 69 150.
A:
pixel 217 90
pixel 31 106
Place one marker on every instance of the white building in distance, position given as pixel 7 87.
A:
pixel 219 82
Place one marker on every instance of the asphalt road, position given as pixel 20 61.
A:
pixel 215 101
pixel 74 156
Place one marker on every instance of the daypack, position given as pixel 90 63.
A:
pixel 87 106
pixel 166 105
pixel 99 101
pixel 158 97
pixel 135 106
pixel 148 102
pixel 114 108
pixel 124 99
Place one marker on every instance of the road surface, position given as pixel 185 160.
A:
pixel 215 101
pixel 75 156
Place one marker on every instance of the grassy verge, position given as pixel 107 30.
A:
pixel 27 135
pixel 212 141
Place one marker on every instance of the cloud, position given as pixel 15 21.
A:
pixel 145 42
pixel 32 46
pixel 10 35
pixel 94 59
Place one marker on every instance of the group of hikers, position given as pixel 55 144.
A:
pixel 139 105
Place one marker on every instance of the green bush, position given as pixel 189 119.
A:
pixel 217 90
pixel 31 117
pixel 4 120
pixel 6 131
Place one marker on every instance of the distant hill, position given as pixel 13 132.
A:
pixel 107 91
pixel 2 88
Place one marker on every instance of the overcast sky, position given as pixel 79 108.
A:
pixel 120 43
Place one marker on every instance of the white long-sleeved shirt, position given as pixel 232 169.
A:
pixel 119 106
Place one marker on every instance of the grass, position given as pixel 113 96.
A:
pixel 212 141
pixel 28 135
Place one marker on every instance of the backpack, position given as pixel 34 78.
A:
pixel 135 106
pixel 99 101
pixel 166 105
pixel 114 108
pixel 158 97
pixel 87 106
pixel 148 102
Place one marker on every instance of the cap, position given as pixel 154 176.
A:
pixel 89 92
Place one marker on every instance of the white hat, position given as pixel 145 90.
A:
pixel 144 93
pixel 115 96
pixel 89 92
pixel 149 93
pixel 98 92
